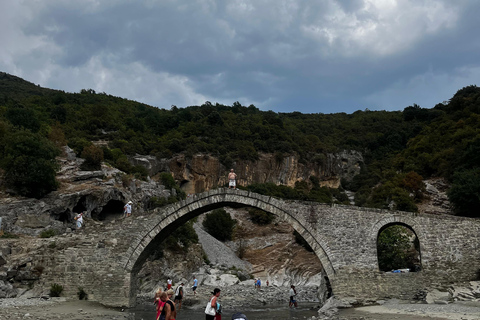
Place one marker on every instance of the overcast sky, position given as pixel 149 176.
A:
pixel 323 56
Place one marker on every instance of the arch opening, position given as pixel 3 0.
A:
pixel 165 229
pixel 398 249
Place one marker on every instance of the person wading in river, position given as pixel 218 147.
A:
pixel 169 308
pixel 210 311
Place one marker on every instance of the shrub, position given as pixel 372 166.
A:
pixel 169 182
pixel 182 238
pixel 93 156
pixel 82 295
pixel 219 224
pixel 78 144
pixel 465 192
pixel 29 163
pixel 7 235
pixel 55 290
pixel 396 250
pixel 38 269
pixel 260 217
pixel 140 172
pixel 48 233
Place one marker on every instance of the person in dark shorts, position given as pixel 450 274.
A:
pixel 195 285
pixel 179 296
pixel 293 297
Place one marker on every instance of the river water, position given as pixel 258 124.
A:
pixel 147 312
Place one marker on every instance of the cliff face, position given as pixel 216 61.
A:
pixel 203 172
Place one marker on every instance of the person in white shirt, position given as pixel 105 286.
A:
pixel 79 219
pixel 127 209
pixel 293 294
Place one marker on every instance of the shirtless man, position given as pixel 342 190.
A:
pixel 232 176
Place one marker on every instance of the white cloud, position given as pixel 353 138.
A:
pixel 379 27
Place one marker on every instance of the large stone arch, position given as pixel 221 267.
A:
pixel 171 217
pixel 407 221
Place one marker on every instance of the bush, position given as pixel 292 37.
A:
pixel 56 290
pixel 396 250
pixel 78 144
pixel 169 182
pixel 29 163
pixel 260 217
pixel 48 233
pixel 465 193
pixel 7 235
pixel 93 156
pixel 82 295
pixel 182 238
pixel 219 224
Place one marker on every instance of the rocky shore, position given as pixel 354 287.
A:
pixel 58 308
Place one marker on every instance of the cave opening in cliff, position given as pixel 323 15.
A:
pixel 398 249
pixel 112 210
pixel 80 206
pixel 65 216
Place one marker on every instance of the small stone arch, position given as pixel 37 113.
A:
pixel 406 221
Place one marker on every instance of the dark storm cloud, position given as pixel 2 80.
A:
pixel 285 55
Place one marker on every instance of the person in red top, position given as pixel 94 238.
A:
pixel 160 305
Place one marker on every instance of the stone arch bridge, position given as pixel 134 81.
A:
pixel 105 259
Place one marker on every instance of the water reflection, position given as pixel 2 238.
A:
pixel 147 312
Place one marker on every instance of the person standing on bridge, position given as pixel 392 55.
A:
pixel 232 177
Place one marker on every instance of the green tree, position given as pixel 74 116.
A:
pixel 21 116
pixel 29 163
pixel 183 238
pixel 397 248
pixel 260 217
pixel 219 224
pixel 465 193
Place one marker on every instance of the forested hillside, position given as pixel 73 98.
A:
pixel 401 148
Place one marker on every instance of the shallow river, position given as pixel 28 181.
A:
pixel 147 312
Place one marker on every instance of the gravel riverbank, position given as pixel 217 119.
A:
pixel 58 308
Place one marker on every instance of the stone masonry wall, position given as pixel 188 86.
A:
pixel 104 259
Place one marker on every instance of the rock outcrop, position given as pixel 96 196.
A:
pixel 202 172
pixel 100 194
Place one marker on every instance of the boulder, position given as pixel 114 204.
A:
pixel 2 261
pixel 436 295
